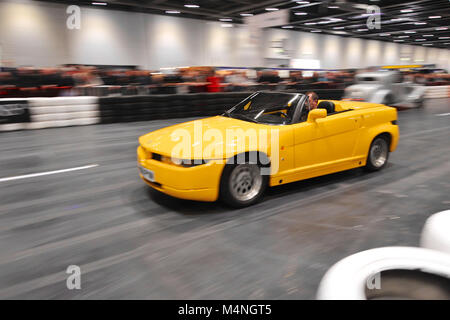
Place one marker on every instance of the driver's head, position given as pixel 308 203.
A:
pixel 313 100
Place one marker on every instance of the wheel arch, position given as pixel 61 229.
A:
pixel 261 158
pixel 388 130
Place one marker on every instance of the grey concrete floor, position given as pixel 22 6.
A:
pixel 134 243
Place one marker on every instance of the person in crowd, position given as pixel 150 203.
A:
pixel 238 81
pixel 214 81
pixel 269 77
pixel 91 78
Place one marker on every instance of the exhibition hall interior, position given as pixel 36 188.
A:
pixel 225 150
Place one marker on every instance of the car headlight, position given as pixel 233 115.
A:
pixel 186 163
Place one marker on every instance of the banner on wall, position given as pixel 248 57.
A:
pixel 270 19
pixel 14 111
pixel 266 20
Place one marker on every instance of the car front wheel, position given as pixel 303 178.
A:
pixel 378 154
pixel 242 184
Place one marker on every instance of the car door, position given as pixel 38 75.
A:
pixel 326 142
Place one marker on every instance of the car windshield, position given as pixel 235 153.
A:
pixel 266 107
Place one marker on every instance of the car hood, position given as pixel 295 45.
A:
pixel 204 138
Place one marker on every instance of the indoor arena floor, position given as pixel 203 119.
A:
pixel 134 243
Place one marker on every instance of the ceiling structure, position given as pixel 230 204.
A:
pixel 420 22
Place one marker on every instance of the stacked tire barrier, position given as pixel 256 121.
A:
pixel 153 107
pixel 437 92
pixel 38 113
pixel 63 112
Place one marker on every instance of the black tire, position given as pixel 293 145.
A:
pixel 389 100
pixel 379 148
pixel 229 197
pixel 420 103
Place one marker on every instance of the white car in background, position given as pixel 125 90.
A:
pixel 386 87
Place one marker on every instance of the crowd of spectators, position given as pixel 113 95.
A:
pixel 72 80
pixel 428 78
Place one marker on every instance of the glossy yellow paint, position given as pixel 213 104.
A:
pixel 304 150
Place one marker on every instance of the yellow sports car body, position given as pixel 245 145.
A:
pixel 268 139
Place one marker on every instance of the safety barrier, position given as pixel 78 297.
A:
pixel 437 92
pixel 63 112
pixel 153 107
pixel 36 113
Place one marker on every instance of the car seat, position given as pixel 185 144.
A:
pixel 327 105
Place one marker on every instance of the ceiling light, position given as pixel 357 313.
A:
pixel 303 2
pixel 434 17
pixel 442 38
pixel 409 32
pixel 226 25
pixel 447 43
pixel 316 31
pixel 333 7
pixel 272 9
pixel 246 14
pixel 339 32
pixel 421 39
pixel 172 11
pixel 406 10
pixel 335 19
pixel 397 19
pixel 287 27
pixel 310 23
pixel 99 3
pixel 419 23
pixel 192 6
pixel 338 28
pixel 403 37
pixel 300 13
pixel 226 19
pixel 362 30
pixel 428 35
pixel 399 40
pixel 385 34
pixel 441 28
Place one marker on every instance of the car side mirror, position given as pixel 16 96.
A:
pixel 315 114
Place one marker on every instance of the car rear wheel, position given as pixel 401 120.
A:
pixel 378 154
pixel 388 100
pixel 242 184
pixel 420 103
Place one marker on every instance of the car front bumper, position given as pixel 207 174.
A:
pixel 199 183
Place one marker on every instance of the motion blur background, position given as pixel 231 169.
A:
pixel 162 62
pixel 118 38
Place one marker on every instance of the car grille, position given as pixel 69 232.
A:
pixel 156 156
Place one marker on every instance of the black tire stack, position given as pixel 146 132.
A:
pixel 165 106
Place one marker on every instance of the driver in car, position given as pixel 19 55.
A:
pixel 313 100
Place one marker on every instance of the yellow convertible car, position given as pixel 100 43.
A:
pixel 268 139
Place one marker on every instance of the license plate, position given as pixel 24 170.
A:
pixel 147 174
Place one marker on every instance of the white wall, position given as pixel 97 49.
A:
pixel 34 33
pixel 107 37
